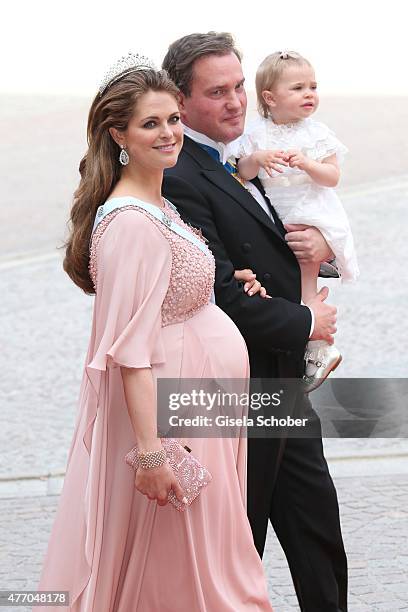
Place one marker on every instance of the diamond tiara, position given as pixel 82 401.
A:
pixel 125 65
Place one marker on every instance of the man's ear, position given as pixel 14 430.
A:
pixel 118 136
pixel 269 97
pixel 182 104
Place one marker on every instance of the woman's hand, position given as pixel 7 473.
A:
pixel 156 484
pixel 251 286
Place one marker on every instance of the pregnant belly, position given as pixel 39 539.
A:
pixel 208 345
pixel 221 342
pixel 207 354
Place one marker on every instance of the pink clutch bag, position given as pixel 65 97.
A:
pixel 192 476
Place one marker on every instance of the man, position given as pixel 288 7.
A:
pixel 288 480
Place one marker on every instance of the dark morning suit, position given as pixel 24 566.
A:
pixel 288 480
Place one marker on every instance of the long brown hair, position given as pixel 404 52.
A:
pixel 100 168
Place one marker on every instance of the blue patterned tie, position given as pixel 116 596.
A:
pixel 229 166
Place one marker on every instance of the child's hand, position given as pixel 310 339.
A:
pixel 271 160
pixel 296 159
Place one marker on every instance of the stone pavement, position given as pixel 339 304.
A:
pixel 45 328
pixel 374 520
pixel 374 512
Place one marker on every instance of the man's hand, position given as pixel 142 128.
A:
pixel 324 317
pixel 308 244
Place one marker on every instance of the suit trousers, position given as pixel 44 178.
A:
pixel 297 495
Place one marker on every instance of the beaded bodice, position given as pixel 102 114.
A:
pixel 192 271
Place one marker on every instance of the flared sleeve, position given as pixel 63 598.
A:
pixel 133 264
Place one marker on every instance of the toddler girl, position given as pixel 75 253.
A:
pixel 297 160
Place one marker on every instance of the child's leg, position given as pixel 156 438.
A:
pixel 321 358
pixel 309 274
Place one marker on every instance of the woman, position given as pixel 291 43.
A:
pixel 112 547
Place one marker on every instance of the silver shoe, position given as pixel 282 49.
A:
pixel 325 360
pixel 328 270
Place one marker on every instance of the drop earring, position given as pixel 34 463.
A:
pixel 123 157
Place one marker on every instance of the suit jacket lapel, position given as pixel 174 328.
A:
pixel 275 215
pixel 217 175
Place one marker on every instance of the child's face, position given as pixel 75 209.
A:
pixel 294 96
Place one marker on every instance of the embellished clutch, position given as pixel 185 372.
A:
pixel 192 476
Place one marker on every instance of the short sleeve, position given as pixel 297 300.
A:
pixel 333 145
pixel 321 142
pixel 243 146
pixel 133 274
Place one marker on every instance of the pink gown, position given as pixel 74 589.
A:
pixel 110 547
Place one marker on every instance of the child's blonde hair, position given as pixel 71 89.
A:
pixel 269 72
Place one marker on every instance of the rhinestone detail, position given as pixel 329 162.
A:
pixel 192 273
pixel 125 65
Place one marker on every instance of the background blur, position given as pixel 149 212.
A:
pixel 359 48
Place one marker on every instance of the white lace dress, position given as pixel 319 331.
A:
pixel 295 196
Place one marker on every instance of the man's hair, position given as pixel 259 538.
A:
pixel 184 52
